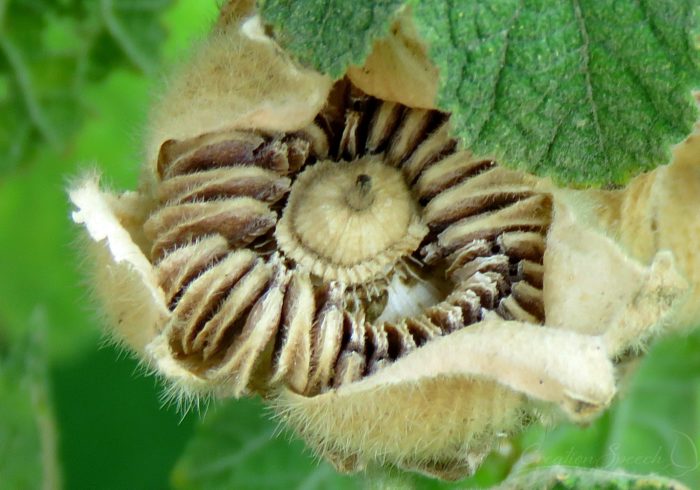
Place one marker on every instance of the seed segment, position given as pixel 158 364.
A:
pixel 312 259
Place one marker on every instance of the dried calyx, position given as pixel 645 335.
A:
pixel 315 257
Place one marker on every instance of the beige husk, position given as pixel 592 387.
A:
pixel 660 210
pixel 123 278
pixel 443 407
pixel 398 68
pixel 237 79
pixel 616 269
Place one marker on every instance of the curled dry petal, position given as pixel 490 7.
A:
pixel 124 279
pixel 331 247
pixel 442 406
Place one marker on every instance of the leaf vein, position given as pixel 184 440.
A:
pixel 499 73
pixel 586 61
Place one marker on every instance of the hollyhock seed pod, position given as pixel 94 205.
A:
pixel 332 248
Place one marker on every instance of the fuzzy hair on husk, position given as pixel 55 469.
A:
pixel 620 268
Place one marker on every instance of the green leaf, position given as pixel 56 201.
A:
pixel 567 478
pixel 653 427
pixel 237 446
pixel 27 428
pixel 115 433
pixel 584 91
pixel 135 29
pixel 41 258
pixel 329 34
pixel 50 50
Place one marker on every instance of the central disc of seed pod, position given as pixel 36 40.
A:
pixel 314 258
pixel 349 221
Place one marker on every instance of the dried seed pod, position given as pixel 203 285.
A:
pixel 369 252
pixel 396 298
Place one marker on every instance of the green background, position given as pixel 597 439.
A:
pixel 113 430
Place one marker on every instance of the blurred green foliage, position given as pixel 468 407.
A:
pixel 113 432
pixel 52 51
pixel 81 412
pixel 28 456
